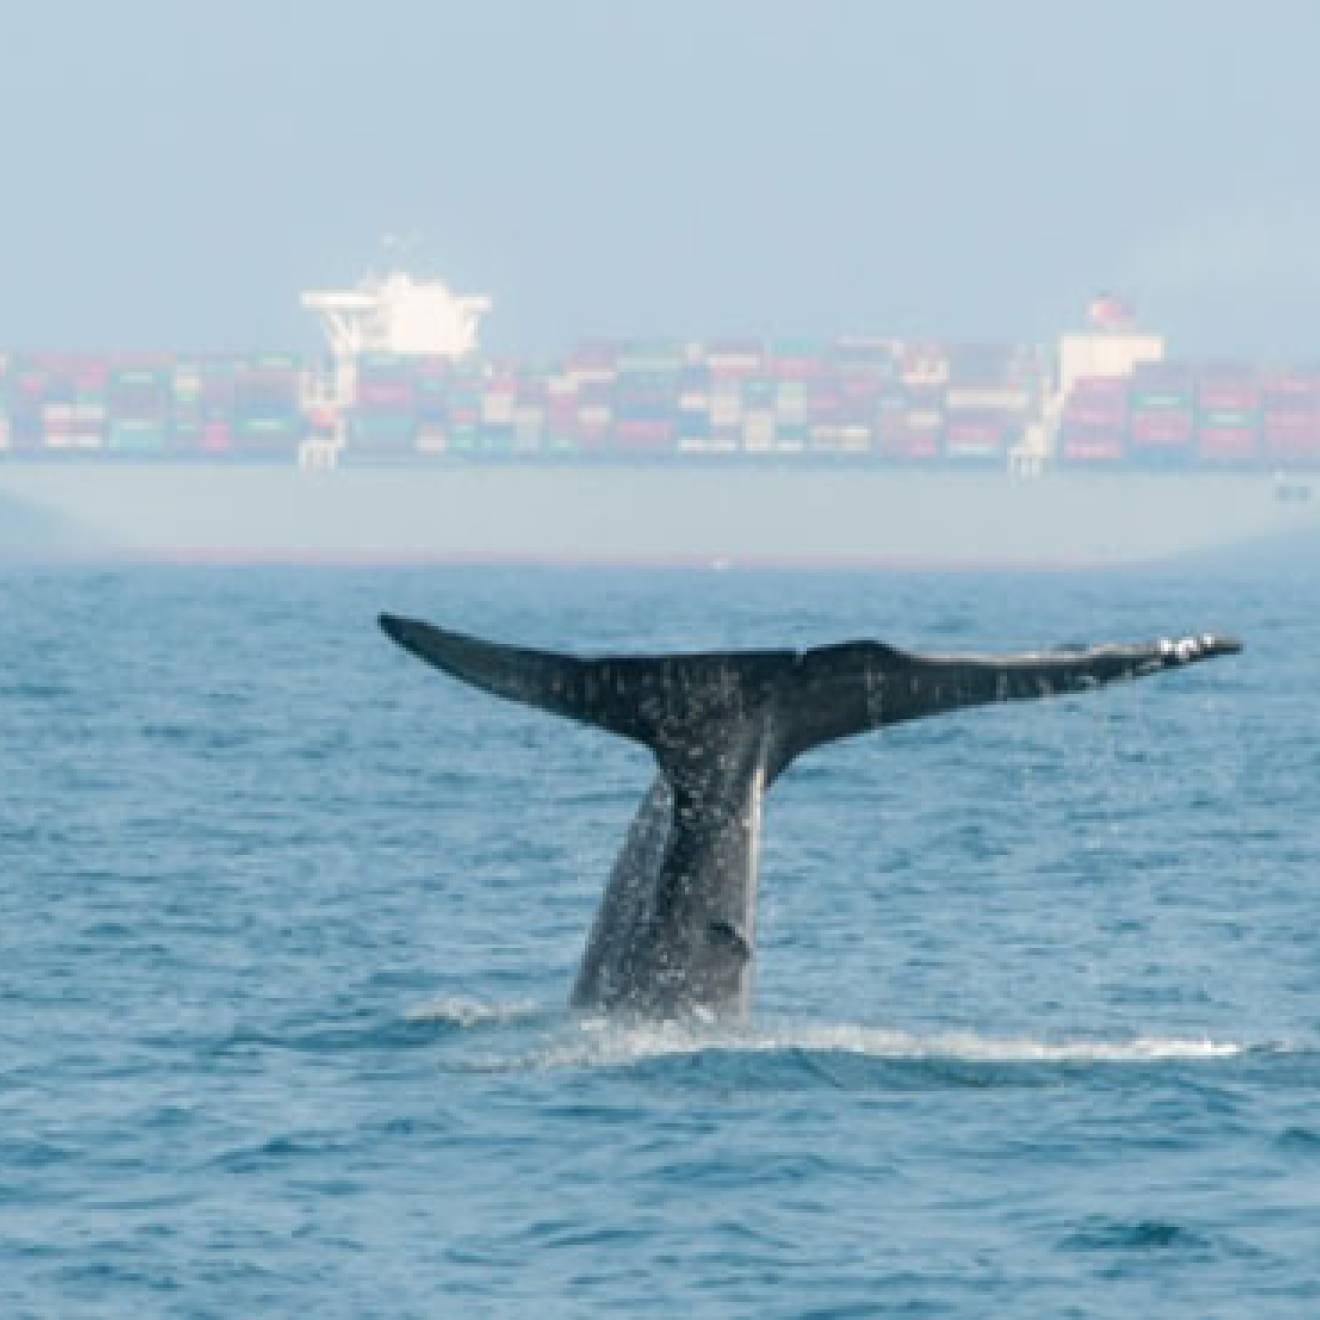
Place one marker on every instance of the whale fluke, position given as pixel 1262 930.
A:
pixel 674 933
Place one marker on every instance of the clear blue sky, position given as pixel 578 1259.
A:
pixel 175 172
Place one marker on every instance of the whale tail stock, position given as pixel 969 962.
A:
pixel 681 705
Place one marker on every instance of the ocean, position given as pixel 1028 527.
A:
pixel 289 922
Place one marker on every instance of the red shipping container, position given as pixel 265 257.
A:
pixel 1102 412
pixel 638 434
pixel 1285 424
pixel 909 445
pixel 1087 444
pixel 1288 391
pixel 215 437
pixel 1227 396
pixel 1292 445
pixel 1093 451
pixel 1237 444
pixel 1161 428
pixel 977 432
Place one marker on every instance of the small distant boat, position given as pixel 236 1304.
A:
pixel 1291 491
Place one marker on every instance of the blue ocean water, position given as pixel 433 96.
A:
pixel 289 921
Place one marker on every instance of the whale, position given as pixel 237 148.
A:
pixel 674 935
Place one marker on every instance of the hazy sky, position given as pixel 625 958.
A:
pixel 175 173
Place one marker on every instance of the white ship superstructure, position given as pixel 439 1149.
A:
pixel 395 315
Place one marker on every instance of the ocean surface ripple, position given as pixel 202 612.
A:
pixel 290 923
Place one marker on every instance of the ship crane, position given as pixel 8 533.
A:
pixel 394 314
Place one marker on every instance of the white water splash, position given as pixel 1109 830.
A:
pixel 991 1049
pixel 598 1043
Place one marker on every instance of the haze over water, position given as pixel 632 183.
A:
pixel 290 923
pixel 178 173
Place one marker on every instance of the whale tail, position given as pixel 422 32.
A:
pixel 681 705
pixel 670 703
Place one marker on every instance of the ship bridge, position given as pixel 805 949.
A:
pixel 398 314
pixel 393 314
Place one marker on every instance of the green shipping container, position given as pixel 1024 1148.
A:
pixel 1222 417
pixel 136 437
pixel 1159 399
pixel 278 424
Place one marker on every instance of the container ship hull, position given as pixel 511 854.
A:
pixel 661 514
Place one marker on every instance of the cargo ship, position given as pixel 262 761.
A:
pixel 404 442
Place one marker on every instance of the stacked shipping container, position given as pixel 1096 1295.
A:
pixel 1161 419
pixel 1290 418
pixel 857 400
pixel 1094 425
pixel 268 420
pixel 1227 415
pixel 1216 415
pixel 60 402
pixel 991 393
pixel 203 405
pixel 153 407
pixel 138 404
pixel 384 422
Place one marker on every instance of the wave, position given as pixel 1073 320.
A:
pixel 600 1043
pixel 454 1011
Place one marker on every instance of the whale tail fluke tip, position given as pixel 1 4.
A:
pixel 1185 650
